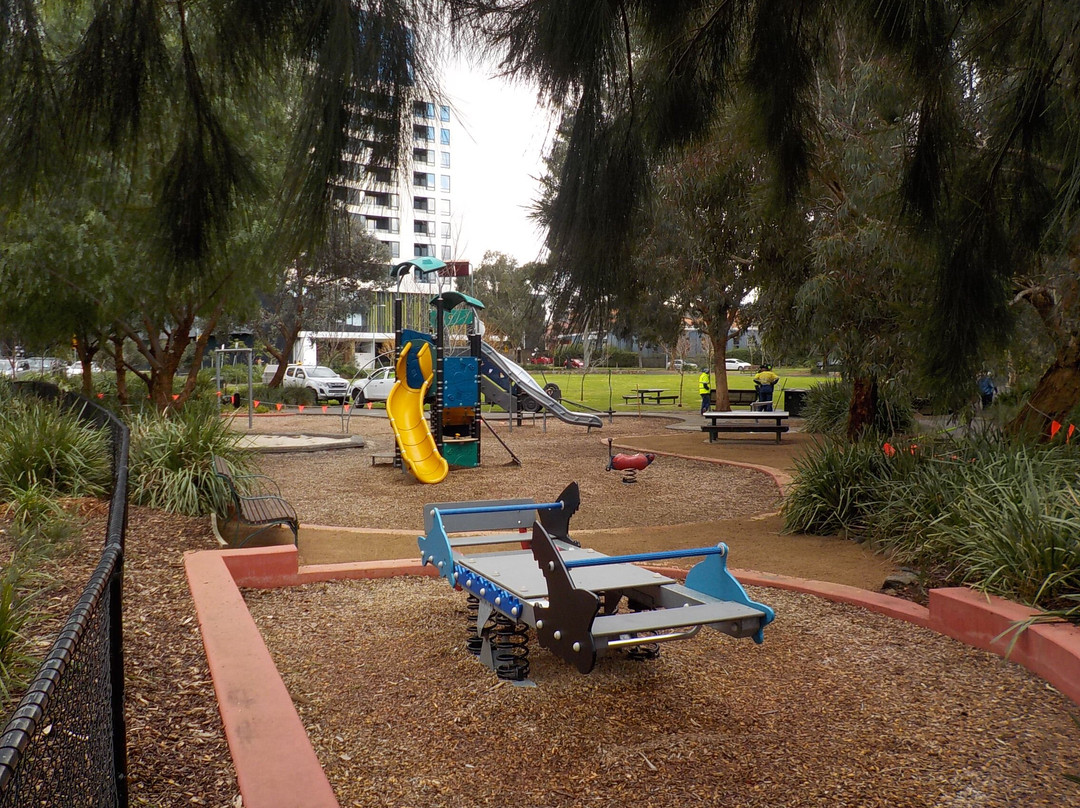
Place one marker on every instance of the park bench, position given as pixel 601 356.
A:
pixel 742 421
pixel 256 502
pixel 742 398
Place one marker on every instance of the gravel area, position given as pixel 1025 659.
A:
pixel 344 488
pixel 839 707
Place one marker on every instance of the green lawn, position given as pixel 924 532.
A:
pixel 596 388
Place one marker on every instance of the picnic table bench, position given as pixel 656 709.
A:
pixel 650 395
pixel 743 421
pixel 257 502
pixel 740 397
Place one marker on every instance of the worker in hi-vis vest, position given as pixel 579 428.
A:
pixel 705 388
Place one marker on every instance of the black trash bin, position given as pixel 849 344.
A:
pixel 794 402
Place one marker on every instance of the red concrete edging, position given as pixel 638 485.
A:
pixel 276 766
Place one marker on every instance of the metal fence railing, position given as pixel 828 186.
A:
pixel 65 743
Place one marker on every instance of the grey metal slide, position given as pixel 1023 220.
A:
pixel 500 371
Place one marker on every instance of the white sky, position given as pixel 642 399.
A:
pixel 500 139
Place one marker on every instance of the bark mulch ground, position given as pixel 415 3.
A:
pixel 838 707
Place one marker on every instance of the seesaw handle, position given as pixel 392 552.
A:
pixel 543 506
pixel 661 555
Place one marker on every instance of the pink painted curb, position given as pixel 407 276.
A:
pixel 276 766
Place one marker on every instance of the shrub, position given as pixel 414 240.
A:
pixel 998 516
pixel 834 485
pixel 827 406
pixel 43 444
pixel 171 465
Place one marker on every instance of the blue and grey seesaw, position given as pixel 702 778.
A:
pixel 569 594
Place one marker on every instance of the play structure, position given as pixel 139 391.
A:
pixel 570 595
pixel 445 370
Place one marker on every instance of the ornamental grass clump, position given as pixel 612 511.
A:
pixel 999 516
pixel 834 485
pixel 828 403
pixel 171 459
pixel 45 444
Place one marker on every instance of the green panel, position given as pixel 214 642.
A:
pixel 453 317
pixel 465 454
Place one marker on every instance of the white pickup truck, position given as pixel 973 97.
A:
pixel 322 381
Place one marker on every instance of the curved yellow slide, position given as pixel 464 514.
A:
pixel 405 408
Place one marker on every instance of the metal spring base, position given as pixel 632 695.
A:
pixel 629 475
pixel 510 648
pixel 473 641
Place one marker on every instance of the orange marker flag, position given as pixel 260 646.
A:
pixel 324 409
pixel 101 395
pixel 175 396
pixel 219 394
pixel 279 406
pixel 300 407
pixel 1069 434
pixel 888 449
pixel 256 402
pixel 346 408
pixel 1055 427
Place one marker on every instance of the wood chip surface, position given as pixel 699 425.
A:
pixel 839 707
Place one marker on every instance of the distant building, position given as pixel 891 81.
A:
pixel 410 209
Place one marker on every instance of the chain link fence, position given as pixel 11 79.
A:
pixel 65 743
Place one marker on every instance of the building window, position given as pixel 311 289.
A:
pixel 444 113
pixel 444 182
pixel 420 250
pixel 422 226
pixel 446 252
pixel 444 159
pixel 444 230
pixel 423 180
pixel 423 109
pixel 395 248
pixel 424 156
pixel 425 133
pixel 424 204
pixel 444 206
pixel 444 136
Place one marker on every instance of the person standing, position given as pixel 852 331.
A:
pixel 764 382
pixel 705 389
pixel 987 389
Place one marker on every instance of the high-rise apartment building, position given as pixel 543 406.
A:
pixel 410 209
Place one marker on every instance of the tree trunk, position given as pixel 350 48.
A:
pixel 1053 399
pixel 86 351
pixel 289 335
pixel 863 410
pixel 121 371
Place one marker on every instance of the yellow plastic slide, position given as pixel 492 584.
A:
pixel 405 408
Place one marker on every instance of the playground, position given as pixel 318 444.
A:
pixel 839 706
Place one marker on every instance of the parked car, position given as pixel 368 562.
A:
pixel 540 360
pixel 573 362
pixel 40 366
pixel 375 387
pixel 321 380
pixel 74 370
pixel 736 364
pixel 681 365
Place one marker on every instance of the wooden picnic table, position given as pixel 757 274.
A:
pixel 774 421
pixel 650 395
